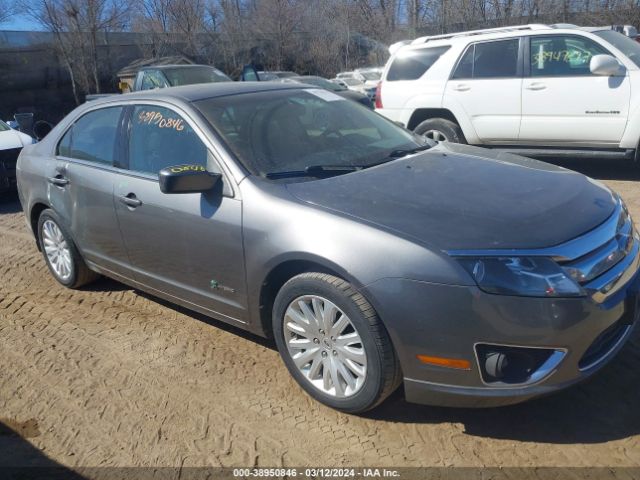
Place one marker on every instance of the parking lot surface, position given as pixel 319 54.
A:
pixel 109 376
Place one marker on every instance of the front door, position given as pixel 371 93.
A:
pixel 487 85
pixel 186 245
pixel 564 103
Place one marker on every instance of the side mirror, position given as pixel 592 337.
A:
pixel 604 65
pixel 187 179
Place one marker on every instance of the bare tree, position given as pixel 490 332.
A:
pixel 6 10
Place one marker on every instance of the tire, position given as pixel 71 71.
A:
pixel 380 375
pixel 450 130
pixel 78 273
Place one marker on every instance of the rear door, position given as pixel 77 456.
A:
pixel 185 245
pixel 563 102
pixel 486 84
pixel 81 187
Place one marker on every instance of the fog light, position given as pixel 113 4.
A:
pixel 501 364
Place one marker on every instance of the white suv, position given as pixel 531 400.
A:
pixel 533 89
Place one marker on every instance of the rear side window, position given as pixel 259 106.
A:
pixel 412 64
pixel 160 138
pixel 92 137
pixel 489 60
pixel 562 56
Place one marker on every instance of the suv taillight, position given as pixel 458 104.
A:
pixel 379 95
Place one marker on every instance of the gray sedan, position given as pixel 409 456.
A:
pixel 372 258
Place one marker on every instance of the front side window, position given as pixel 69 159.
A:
pixel 294 130
pixel 412 64
pixel 160 138
pixel 562 56
pixel 92 137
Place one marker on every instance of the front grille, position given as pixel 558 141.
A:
pixel 605 256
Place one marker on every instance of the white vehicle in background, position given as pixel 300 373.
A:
pixel 11 142
pixel 350 83
pixel 370 77
pixel 539 90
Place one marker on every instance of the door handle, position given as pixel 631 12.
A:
pixel 461 87
pixel 536 86
pixel 58 181
pixel 131 200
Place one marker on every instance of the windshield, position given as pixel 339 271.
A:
pixel 193 75
pixel 629 47
pixel 351 81
pixel 3 126
pixel 320 82
pixel 298 129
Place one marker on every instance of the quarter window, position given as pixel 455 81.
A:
pixel 161 138
pixel 562 56
pixel 489 60
pixel 412 64
pixel 92 137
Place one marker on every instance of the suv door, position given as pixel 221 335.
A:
pixel 81 190
pixel 563 102
pixel 486 84
pixel 185 245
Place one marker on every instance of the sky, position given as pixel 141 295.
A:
pixel 20 23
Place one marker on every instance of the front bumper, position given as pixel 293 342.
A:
pixel 449 321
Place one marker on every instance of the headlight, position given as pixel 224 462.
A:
pixel 525 276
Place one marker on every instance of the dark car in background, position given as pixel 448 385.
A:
pixel 474 277
pixel 332 87
pixel 163 76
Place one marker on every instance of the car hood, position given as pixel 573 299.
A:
pixel 10 139
pixel 455 197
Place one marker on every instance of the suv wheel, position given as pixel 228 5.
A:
pixel 441 130
pixel 333 343
pixel 61 254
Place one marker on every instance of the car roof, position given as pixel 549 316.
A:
pixel 167 67
pixel 489 33
pixel 202 91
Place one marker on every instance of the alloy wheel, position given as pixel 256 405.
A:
pixel 57 250
pixel 325 346
pixel 436 135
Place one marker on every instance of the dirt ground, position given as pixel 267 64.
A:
pixel 109 376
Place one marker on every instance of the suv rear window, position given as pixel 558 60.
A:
pixel 489 60
pixel 412 64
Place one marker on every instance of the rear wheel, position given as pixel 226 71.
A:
pixel 333 343
pixel 61 254
pixel 441 130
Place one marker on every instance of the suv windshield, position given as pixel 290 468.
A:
pixel 629 47
pixel 305 130
pixel 194 75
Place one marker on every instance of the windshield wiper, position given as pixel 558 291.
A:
pixel 315 171
pixel 407 151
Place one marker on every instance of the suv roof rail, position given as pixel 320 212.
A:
pixel 514 28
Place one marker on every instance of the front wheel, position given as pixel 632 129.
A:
pixel 441 130
pixel 333 343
